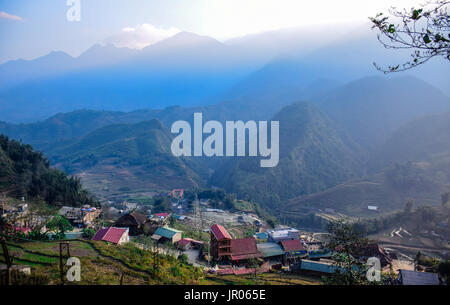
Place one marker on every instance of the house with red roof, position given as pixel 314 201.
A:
pixel 113 235
pixel 294 248
pixel 224 247
pixel 244 249
pixel 220 242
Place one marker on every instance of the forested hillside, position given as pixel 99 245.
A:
pixel 27 173
pixel 313 157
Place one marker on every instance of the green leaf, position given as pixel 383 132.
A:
pixel 426 38
pixel 391 28
pixel 416 14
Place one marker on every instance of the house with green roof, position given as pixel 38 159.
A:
pixel 272 251
pixel 164 234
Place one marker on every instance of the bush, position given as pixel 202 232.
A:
pixel 88 233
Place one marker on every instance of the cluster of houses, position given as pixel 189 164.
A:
pixel 282 247
pixel 83 217
pixel 155 225
pixel 279 246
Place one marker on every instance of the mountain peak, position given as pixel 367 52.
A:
pixel 185 40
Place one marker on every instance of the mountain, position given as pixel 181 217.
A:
pixel 413 164
pixel 426 139
pixel 313 157
pixel 16 71
pixel 372 108
pixel 185 70
pixel 26 173
pixel 121 157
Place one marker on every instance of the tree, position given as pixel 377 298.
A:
pixel 254 264
pixel 88 233
pixel 347 245
pixel 444 270
pixel 424 30
pixel 60 225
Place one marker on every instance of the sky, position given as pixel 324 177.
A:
pixel 33 28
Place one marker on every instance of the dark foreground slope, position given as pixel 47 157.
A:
pixel 26 173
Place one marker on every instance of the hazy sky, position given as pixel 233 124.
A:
pixel 32 28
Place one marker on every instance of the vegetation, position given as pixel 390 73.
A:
pixel 26 173
pixel 424 30
pixel 60 225
pixel 313 157
pixel 347 245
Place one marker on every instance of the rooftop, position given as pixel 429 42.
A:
pixel 244 248
pixel 323 267
pixel 220 232
pixel 409 277
pixel 166 232
pixel 292 245
pixel 270 249
pixel 110 234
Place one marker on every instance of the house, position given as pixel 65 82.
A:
pixel 163 234
pixel 134 221
pixel 80 216
pixel 188 243
pixel 281 234
pixel 113 235
pixel 220 242
pixel 271 251
pixel 374 250
pixel 293 248
pixel 372 208
pixel 244 249
pixel 408 277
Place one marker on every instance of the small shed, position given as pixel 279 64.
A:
pixel 167 233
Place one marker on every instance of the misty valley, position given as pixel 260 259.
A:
pixel 244 161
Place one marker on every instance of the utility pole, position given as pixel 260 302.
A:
pixel 8 260
pixel 61 265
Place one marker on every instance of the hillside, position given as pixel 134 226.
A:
pixel 313 157
pixel 26 173
pixel 122 157
pixel 413 164
pixel 372 108
pixel 426 139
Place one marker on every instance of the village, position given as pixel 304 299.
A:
pixel 217 241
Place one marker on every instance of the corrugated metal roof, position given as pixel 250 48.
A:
pixel 409 277
pixel 220 232
pixel 317 266
pixel 292 245
pixel 244 248
pixel 166 232
pixel 110 234
pixel 270 249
